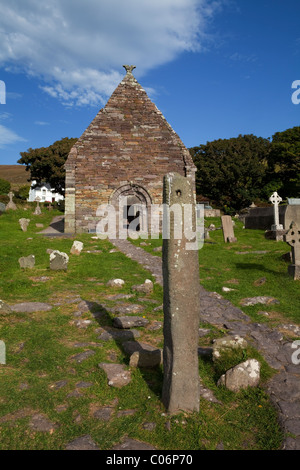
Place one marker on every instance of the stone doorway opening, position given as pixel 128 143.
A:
pixel 133 202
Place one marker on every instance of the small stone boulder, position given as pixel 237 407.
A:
pixel 226 343
pixel 129 322
pixel 246 374
pixel 76 248
pixel 249 301
pixel 4 308
pixel 146 288
pixel 117 375
pixel 58 260
pixel 146 359
pixel 27 262
pixel 24 224
pixel 115 283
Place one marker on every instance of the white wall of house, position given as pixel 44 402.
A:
pixel 44 192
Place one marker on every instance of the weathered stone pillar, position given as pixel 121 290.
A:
pixel 181 303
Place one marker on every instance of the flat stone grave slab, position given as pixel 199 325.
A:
pixel 258 300
pixel 82 443
pixel 117 375
pixel 132 444
pixel 82 356
pixel 119 335
pixel 126 308
pixel 129 322
pixel 31 307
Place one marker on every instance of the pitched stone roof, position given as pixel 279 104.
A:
pixel 131 129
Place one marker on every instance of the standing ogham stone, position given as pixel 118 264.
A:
pixel 181 385
pixel 292 237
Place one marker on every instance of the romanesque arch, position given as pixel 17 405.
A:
pixel 135 203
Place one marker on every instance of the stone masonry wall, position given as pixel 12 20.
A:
pixel 128 143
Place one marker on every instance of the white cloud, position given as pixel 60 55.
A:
pixel 42 123
pixel 78 47
pixel 8 137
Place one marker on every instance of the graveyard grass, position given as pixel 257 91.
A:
pixel 40 346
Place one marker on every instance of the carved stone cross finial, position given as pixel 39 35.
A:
pixel 129 68
pixel 275 198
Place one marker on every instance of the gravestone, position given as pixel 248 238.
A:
pixel 2 208
pixel 58 260
pixel 227 227
pixel 11 205
pixel 275 199
pixel 76 248
pixel 27 262
pixel 24 224
pixel 37 209
pixel 277 231
pixel 292 237
pixel 181 385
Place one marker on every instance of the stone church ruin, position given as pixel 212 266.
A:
pixel 123 155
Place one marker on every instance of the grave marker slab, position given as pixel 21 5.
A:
pixel 24 224
pixel 275 199
pixel 11 204
pixel 227 227
pixel 292 237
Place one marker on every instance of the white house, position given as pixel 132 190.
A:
pixel 44 192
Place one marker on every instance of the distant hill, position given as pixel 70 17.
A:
pixel 15 174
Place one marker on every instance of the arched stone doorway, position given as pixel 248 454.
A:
pixel 133 206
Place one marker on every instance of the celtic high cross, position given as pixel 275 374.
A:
pixel 292 237
pixel 276 200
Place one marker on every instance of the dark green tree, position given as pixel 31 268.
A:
pixel 284 163
pixel 4 186
pixel 231 172
pixel 22 192
pixel 46 164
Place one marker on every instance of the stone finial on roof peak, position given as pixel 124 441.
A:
pixel 129 68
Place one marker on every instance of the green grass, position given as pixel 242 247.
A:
pixel 221 265
pixel 40 347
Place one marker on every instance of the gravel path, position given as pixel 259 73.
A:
pixel 284 387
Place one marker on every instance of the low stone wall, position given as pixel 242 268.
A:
pixel 262 218
pixel 212 213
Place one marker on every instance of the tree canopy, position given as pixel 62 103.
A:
pixel 46 164
pixel 284 162
pixel 4 186
pixel 231 172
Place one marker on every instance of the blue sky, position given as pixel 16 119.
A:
pixel 216 69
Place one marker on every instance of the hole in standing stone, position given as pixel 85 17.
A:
pixel 178 192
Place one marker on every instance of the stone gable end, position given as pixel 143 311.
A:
pixel 126 150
